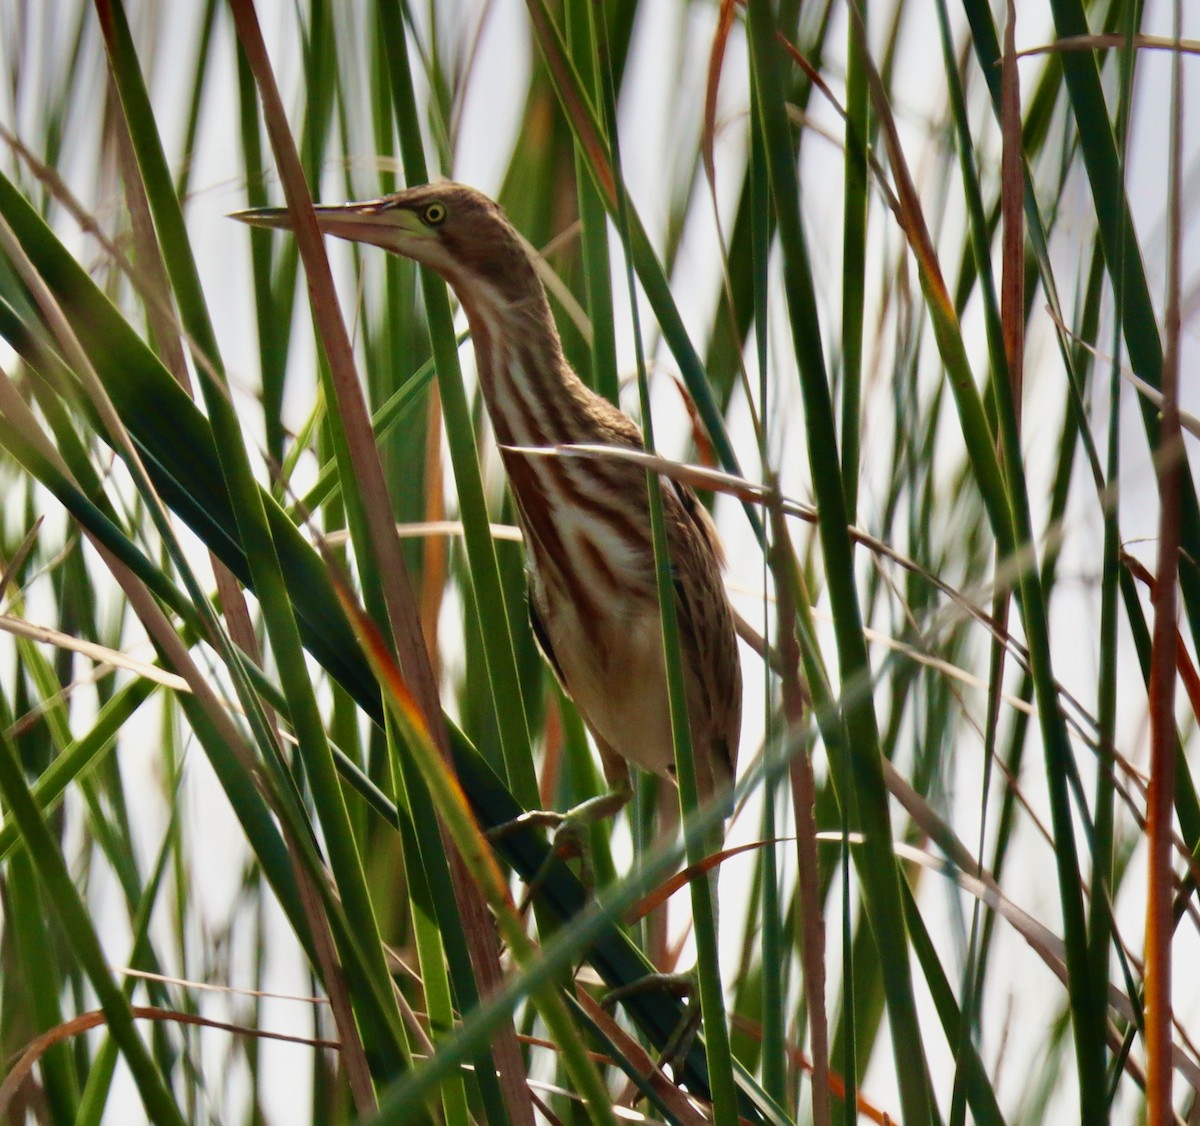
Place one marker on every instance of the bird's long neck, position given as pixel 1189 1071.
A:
pixel 532 395
pixel 584 520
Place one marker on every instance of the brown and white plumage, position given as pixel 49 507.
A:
pixel 592 591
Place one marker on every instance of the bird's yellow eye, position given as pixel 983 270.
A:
pixel 434 214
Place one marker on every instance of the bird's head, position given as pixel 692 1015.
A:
pixel 451 228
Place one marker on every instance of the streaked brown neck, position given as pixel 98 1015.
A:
pixel 532 395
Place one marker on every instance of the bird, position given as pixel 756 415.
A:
pixel 592 590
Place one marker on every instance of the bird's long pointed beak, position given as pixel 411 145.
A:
pixel 273 218
pixel 375 221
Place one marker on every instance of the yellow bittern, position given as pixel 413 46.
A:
pixel 593 599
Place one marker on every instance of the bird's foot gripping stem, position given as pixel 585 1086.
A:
pixel 682 985
pixel 569 835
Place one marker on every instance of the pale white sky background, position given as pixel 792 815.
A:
pixel 666 72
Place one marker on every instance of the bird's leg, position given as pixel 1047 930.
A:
pixel 568 840
pixel 685 986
